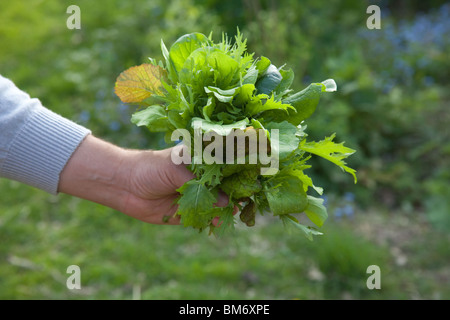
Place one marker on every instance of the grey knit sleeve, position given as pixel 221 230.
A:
pixel 35 143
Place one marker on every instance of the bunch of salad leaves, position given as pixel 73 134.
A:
pixel 208 86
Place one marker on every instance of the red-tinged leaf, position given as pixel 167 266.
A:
pixel 140 82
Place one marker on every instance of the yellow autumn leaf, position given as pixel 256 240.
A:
pixel 140 82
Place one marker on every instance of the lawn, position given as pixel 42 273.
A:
pixel 123 258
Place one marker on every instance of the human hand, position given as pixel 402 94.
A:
pixel 152 187
pixel 141 184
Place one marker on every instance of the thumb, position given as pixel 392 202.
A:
pixel 178 174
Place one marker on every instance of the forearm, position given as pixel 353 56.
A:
pixel 98 171
pixel 35 143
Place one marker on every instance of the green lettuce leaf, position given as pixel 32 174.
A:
pixel 184 46
pixel 251 76
pixel 269 80
pixel 287 140
pixel 221 129
pixel 223 95
pixel 286 81
pixel 285 194
pixel 316 211
pixel 153 117
pixel 304 102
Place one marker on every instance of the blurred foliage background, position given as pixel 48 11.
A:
pixel 391 106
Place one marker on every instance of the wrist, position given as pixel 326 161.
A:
pixel 100 172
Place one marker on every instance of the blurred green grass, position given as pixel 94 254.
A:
pixel 41 235
pixel 389 81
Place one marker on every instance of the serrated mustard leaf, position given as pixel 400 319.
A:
pixel 209 174
pixel 226 221
pixel 195 204
pixel 334 152
pixel 245 95
pixel 290 223
pixel 263 102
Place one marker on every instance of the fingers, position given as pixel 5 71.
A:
pixel 216 221
pixel 222 200
pixel 172 219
